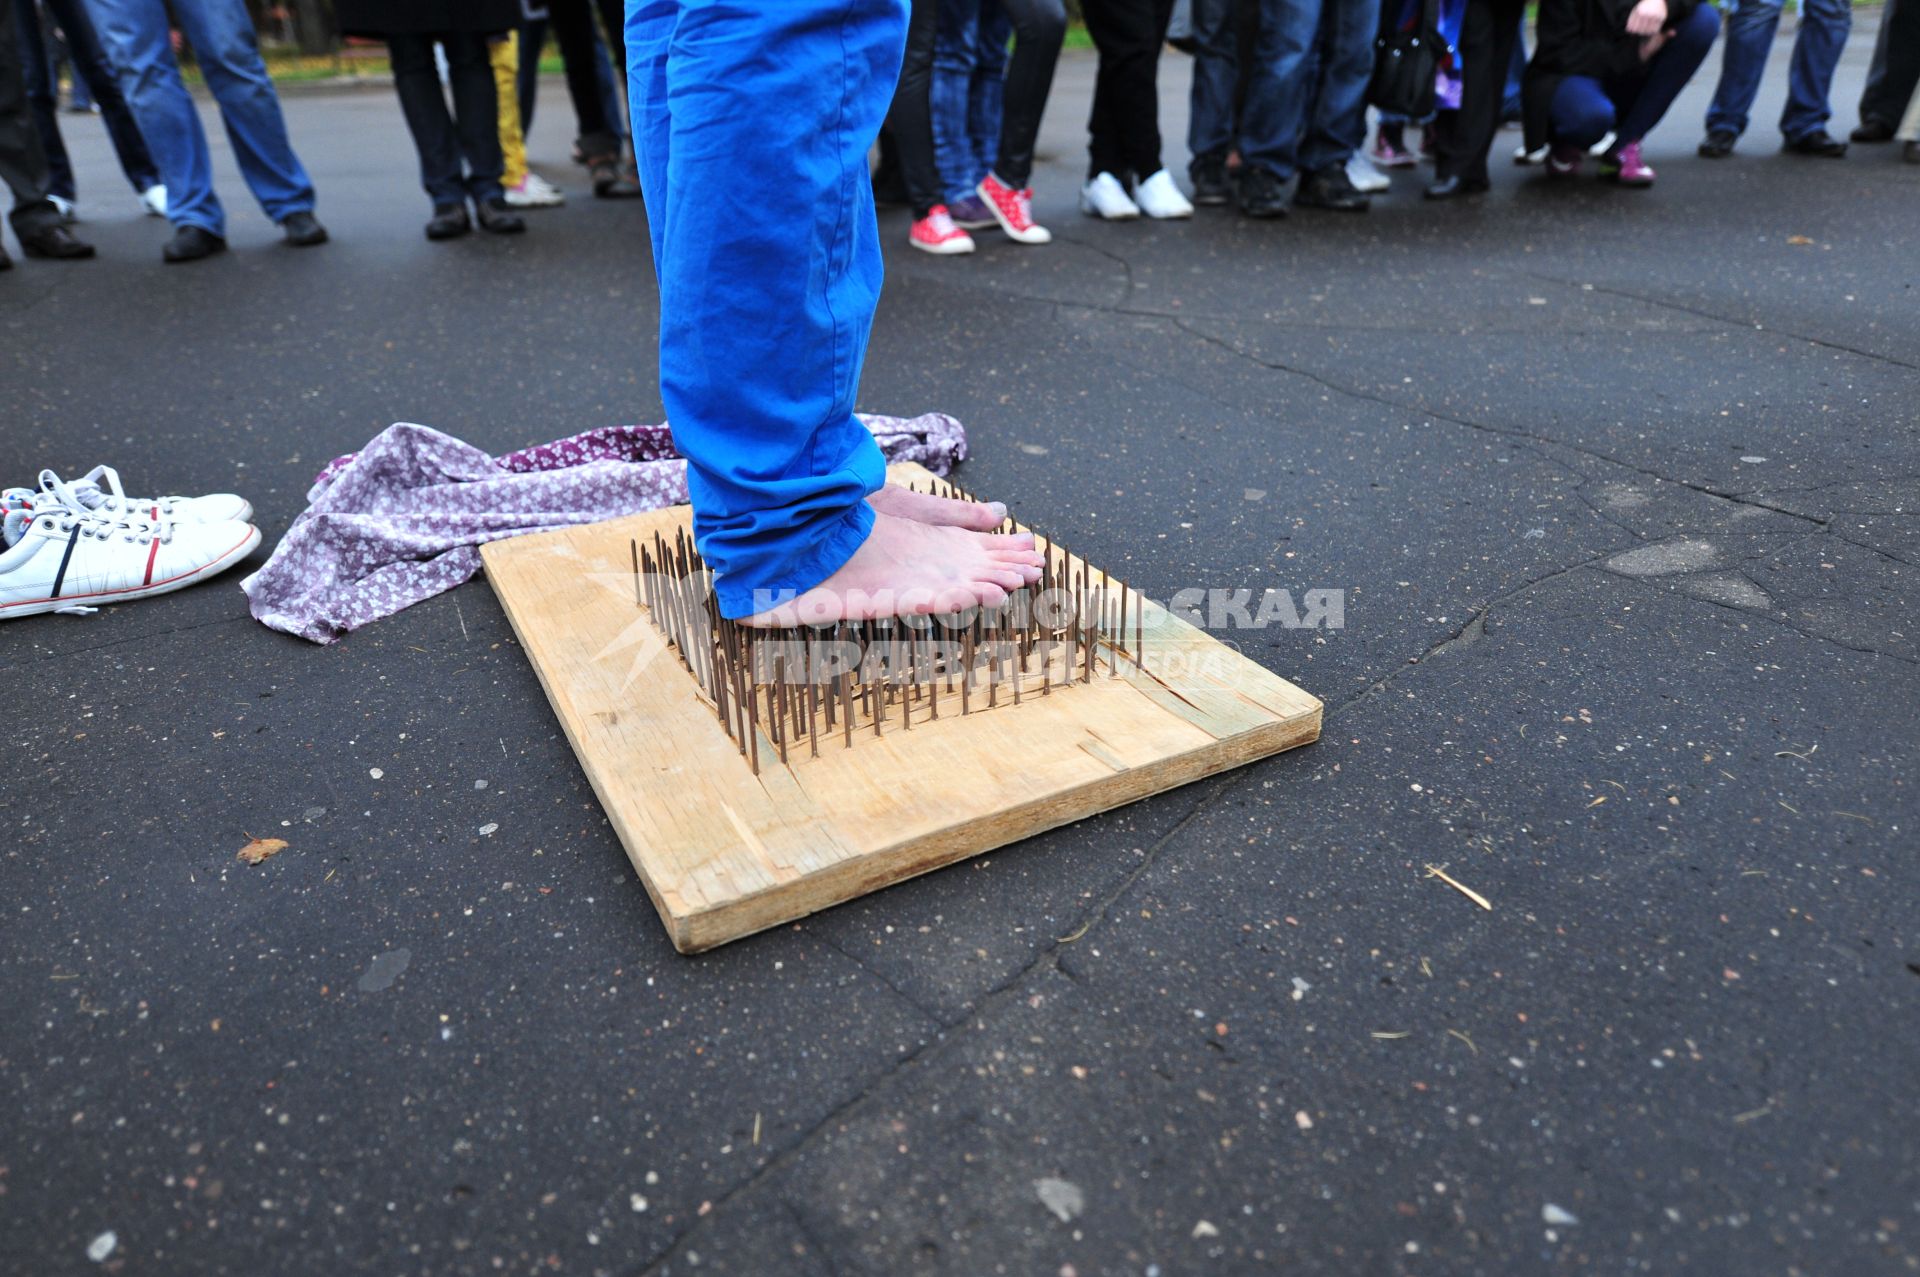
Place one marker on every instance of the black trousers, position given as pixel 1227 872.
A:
pixel 1895 70
pixel 1462 138
pixel 91 69
pixel 23 163
pixel 472 131
pixel 910 118
pixel 1039 29
pixel 571 22
pixel 1124 130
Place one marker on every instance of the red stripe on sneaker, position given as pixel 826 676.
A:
pixel 152 554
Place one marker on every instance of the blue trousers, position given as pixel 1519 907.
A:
pixel 1296 120
pixel 1585 109
pixel 90 70
pixel 764 317
pixel 968 90
pixel 1751 24
pixel 223 40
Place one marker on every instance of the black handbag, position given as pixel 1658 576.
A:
pixel 1406 64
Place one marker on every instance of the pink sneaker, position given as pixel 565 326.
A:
pixel 1624 165
pixel 935 233
pixel 1014 211
pixel 1563 159
pixel 1389 154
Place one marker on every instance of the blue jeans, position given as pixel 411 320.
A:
pixel 764 321
pixel 1751 24
pixel 1216 75
pixel 1585 109
pixel 968 90
pixel 222 36
pixel 90 67
pixel 1309 122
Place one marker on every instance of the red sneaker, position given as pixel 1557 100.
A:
pixel 1014 211
pixel 935 233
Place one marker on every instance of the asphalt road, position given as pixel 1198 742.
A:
pixel 1622 489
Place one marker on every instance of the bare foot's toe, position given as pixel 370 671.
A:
pixel 924 507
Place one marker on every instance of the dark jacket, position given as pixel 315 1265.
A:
pixel 1582 37
pixel 426 17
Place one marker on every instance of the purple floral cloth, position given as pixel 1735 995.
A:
pixel 404 518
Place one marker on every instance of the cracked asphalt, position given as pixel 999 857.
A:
pixel 1621 488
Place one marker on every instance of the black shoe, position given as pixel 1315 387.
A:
pixel 1872 129
pixel 1818 143
pixel 1446 188
pixel 1718 144
pixel 1261 193
pixel 497 218
pixel 303 230
pixel 450 221
pixel 6 263
pixel 1331 188
pixel 611 181
pixel 1210 184
pixel 54 241
pixel 191 243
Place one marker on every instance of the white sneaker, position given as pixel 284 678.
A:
pixel 154 200
pixel 1366 179
pixel 1160 197
pixel 1521 155
pixel 1604 145
pixel 535 191
pixel 1103 196
pixel 58 559
pixel 86 494
pixel 64 205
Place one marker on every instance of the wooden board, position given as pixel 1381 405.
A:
pixel 725 853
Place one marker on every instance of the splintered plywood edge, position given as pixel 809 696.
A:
pixel 724 853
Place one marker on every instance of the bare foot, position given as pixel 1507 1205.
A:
pixel 907 568
pixel 924 507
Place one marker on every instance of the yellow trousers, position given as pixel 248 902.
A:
pixel 504 53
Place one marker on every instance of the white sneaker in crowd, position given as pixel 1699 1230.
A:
pixel 64 206
pixel 1521 155
pixel 87 494
pixel 154 200
pixel 1366 179
pixel 64 559
pixel 1160 197
pixel 534 191
pixel 1103 196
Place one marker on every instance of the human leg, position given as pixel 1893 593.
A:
pixel 911 117
pixel 92 70
pixel 1581 113
pixel 1824 26
pixel 763 330
pixel 136 34
pixel 1488 32
pixel 1895 71
pixel 503 55
pixel 228 50
pixel 1666 73
pixel 42 90
pixel 1750 29
pixel 476 112
pixel 1124 127
pixel 1039 27
pixel 417 80
pixel 1277 91
pixel 949 94
pixel 1337 118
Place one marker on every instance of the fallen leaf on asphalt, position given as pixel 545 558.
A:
pixel 259 849
pixel 1799 239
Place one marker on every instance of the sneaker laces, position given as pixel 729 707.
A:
pixel 102 516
